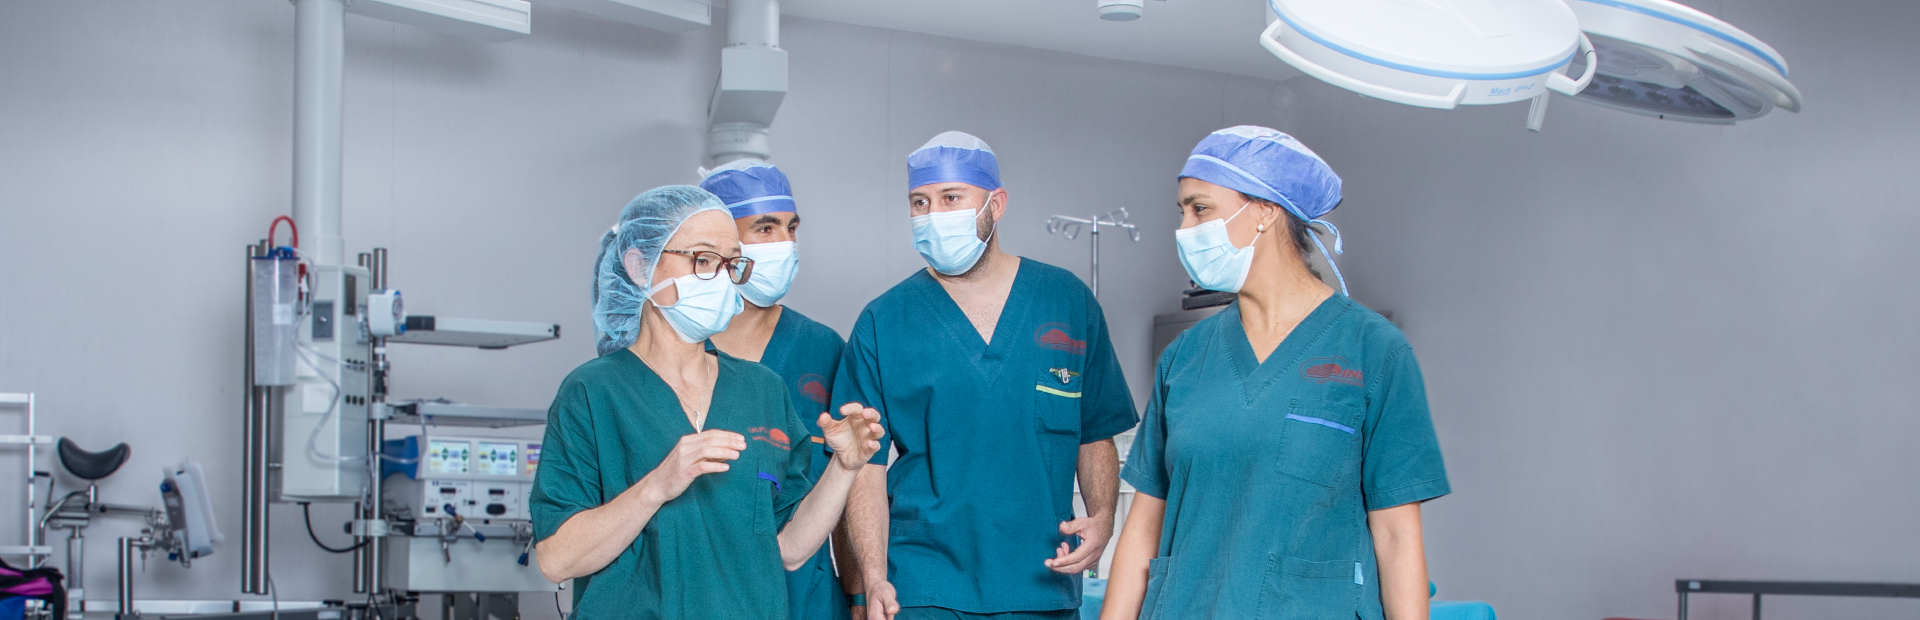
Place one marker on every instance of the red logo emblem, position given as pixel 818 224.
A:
pixel 814 387
pixel 773 436
pixel 1054 336
pixel 1324 369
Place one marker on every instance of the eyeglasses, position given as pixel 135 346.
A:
pixel 707 264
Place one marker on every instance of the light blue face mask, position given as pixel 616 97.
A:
pixel 1210 257
pixel 705 307
pixel 950 240
pixel 774 265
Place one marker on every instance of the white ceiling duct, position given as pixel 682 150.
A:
pixel 1662 59
pixel 753 82
pixel 486 20
pixel 665 15
pixel 1431 53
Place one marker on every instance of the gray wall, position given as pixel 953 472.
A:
pixel 143 143
pixel 1657 350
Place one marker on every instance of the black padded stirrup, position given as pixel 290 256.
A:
pixel 92 465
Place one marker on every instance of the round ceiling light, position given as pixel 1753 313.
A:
pixel 1432 53
pixel 1663 59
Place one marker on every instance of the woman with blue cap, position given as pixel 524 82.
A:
pixel 1287 445
pixel 669 483
pixel 803 352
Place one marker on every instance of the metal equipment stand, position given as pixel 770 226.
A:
pixel 34 550
pixel 1069 227
pixel 1795 588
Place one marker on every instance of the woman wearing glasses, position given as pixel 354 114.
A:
pixel 669 483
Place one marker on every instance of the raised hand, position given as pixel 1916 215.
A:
pixel 696 455
pixel 854 437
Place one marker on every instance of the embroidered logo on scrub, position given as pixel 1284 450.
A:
pixel 1054 336
pixel 814 387
pixel 773 436
pixel 1324 369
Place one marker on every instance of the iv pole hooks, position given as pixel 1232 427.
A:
pixel 1069 227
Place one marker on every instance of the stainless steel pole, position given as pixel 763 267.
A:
pixel 126 579
pixel 1095 242
pixel 253 472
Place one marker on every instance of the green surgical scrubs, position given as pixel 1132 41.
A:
pixel 1269 468
pixel 712 552
pixel 805 353
pixel 988 434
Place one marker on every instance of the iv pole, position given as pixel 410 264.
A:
pixel 1069 227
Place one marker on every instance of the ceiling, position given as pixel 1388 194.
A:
pixel 1215 35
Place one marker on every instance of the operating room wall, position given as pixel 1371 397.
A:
pixel 142 144
pixel 1657 350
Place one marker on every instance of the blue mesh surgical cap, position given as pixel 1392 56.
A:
pixel 1270 165
pixel 645 225
pixel 954 157
pixel 750 187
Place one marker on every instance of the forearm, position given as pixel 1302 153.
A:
pixel 1139 543
pixel 816 516
pixel 843 559
pixel 1100 478
pixel 867 521
pixel 591 539
pixel 1399 549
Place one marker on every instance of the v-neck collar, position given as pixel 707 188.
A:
pixel 659 383
pixel 779 343
pixel 985 356
pixel 1254 375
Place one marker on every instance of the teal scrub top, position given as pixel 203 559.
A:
pixel 805 354
pixel 712 552
pixel 1269 468
pixel 988 434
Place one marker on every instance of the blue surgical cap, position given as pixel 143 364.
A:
pixel 750 187
pixel 954 157
pixel 645 225
pixel 1267 164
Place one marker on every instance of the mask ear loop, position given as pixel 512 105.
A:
pixel 986 208
pixel 1258 229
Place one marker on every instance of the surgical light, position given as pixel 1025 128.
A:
pixel 1662 59
pixel 1432 53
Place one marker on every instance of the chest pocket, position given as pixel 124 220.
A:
pixel 1320 442
pixel 765 491
pixel 1056 400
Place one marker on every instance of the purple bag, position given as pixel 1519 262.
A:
pixel 41 583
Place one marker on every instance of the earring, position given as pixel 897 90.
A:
pixel 1260 228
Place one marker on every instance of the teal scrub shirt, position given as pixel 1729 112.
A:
pixel 1269 469
pixel 712 552
pixel 988 434
pixel 805 354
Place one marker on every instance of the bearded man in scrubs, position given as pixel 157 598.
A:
pixel 996 380
pixel 804 353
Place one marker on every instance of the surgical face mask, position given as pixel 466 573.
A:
pixel 1210 257
pixel 950 240
pixel 704 308
pixel 774 265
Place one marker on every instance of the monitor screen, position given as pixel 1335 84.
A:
pixel 447 457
